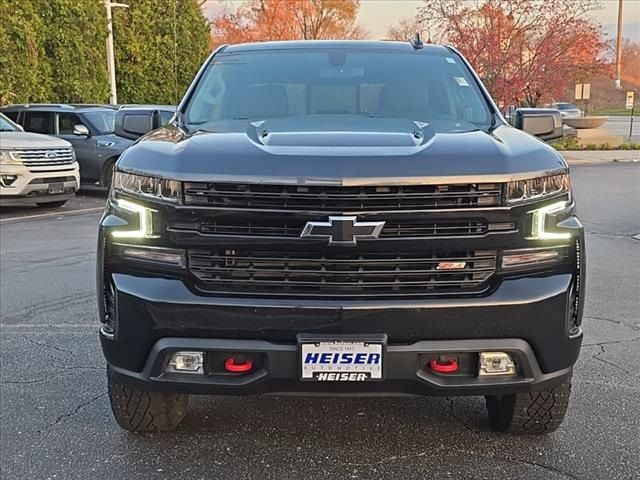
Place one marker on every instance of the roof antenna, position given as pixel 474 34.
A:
pixel 417 42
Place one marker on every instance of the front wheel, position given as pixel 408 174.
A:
pixel 142 411
pixel 529 413
pixel 107 173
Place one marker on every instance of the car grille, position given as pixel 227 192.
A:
pixel 279 227
pixel 356 274
pixel 340 198
pixel 46 157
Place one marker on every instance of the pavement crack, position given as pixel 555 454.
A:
pixel 548 468
pixel 602 351
pixel 514 461
pixel 72 413
pixel 633 326
pixel 456 417
pixel 46 345
pixel 612 342
pixel 25 382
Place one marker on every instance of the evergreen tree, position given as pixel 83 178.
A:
pixel 75 44
pixel 24 68
pixel 159 44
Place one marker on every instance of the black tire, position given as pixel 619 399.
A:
pixel 107 173
pixel 57 204
pixel 529 413
pixel 142 411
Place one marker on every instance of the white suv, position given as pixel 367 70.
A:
pixel 35 168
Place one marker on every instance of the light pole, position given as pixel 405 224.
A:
pixel 111 63
pixel 619 47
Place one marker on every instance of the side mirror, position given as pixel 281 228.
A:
pixel 132 123
pixel 544 123
pixel 81 130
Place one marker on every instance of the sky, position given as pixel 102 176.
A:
pixel 377 15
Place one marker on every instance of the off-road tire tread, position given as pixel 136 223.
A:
pixel 142 411
pixel 530 413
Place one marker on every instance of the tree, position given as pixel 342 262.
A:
pixel 405 29
pixel 526 51
pixel 630 63
pixel 24 68
pixel 261 20
pixel 159 47
pixel 74 42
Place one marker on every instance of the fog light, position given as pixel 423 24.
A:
pixel 7 180
pixel 496 363
pixel 186 362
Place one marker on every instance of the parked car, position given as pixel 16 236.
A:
pixel 567 109
pixel 349 218
pixel 89 128
pixel 35 168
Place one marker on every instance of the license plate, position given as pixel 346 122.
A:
pixel 341 361
pixel 55 188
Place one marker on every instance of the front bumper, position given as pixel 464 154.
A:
pixel 32 185
pixel 524 316
pixel 404 367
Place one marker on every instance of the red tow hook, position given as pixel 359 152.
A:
pixel 231 365
pixel 444 366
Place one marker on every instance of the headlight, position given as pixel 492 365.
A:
pixel 149 187
pixel 537 188
pixel 9 156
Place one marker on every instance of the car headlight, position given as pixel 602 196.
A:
pixel 537 188
pixel 148 187
pixel 9 156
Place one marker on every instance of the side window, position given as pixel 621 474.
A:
pixel 12 116
pixel 38 122
pixel 166 116
pixel 66 122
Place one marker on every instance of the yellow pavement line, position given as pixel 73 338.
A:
pixel 53 214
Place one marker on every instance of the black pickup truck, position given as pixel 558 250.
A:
pixel 341 218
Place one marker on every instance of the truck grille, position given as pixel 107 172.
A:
pixel 51 157
pixel 280 227
pixel 340 198
pixel 356 274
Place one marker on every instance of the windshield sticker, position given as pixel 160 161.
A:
pixel 462 81
pixel 450 60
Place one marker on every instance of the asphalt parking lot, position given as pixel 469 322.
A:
pixel 55 420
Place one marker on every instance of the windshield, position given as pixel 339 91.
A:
pixel 7 125
pixel 103 120
pixel 565 106
pixel 420 86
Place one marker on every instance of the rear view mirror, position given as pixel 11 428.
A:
pixel 544 123
pixel 132 123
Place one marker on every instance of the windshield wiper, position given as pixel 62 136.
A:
pixel 494 122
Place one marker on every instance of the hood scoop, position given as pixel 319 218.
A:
pixel 335 132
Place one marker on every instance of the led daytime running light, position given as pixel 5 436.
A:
pixel 145 216
pixel 539 216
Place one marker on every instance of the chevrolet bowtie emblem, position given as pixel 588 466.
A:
pixel 342 230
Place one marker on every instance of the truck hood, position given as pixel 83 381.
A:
pixel 21 140
pixel 341 151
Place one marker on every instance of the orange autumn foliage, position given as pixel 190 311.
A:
pixel 526 51
pixel 264 20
